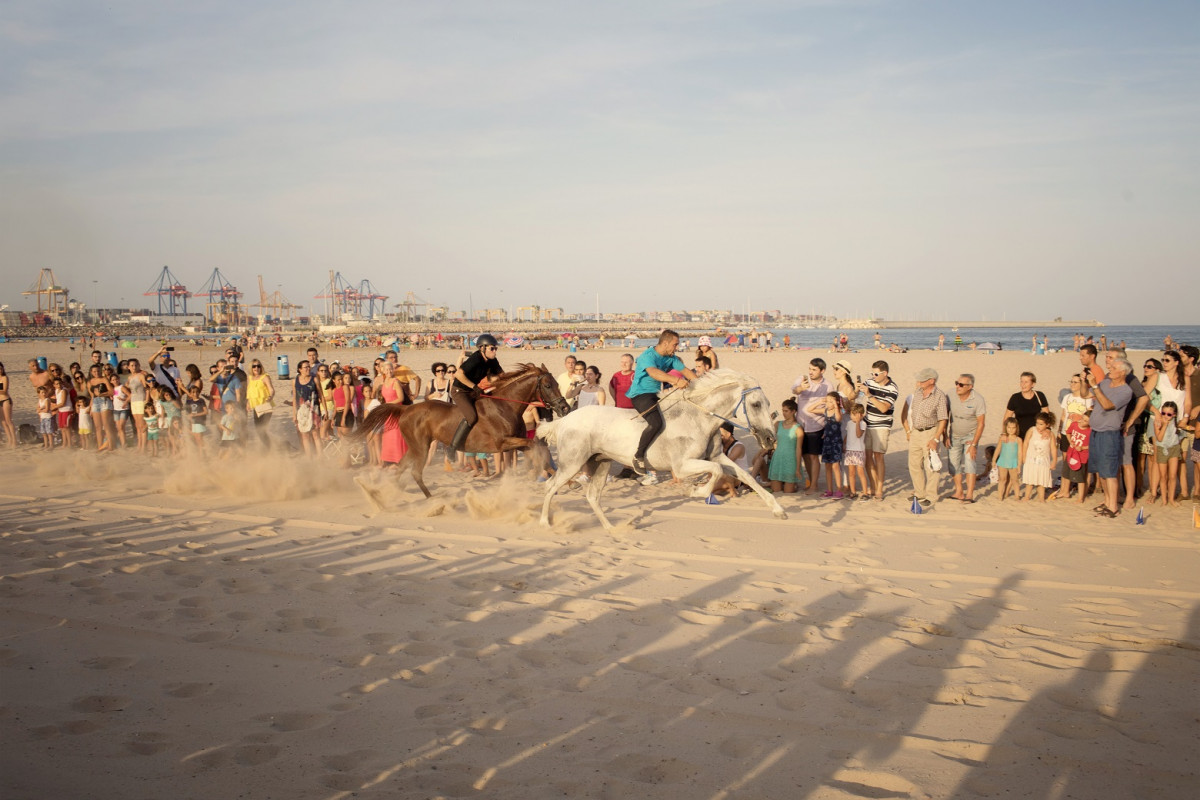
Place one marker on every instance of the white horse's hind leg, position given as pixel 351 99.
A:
pixel 599 478
pixel 748 479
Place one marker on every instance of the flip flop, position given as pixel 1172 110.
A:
pixel 968 499
pixel 1105 512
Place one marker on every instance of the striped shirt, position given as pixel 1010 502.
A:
pixel 888 393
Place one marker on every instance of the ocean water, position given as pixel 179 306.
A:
pixel 1136 337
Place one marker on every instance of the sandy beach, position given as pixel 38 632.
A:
pixel 250 628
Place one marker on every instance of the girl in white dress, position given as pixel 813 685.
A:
pixel 1039 454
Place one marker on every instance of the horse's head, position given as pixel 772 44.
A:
pixel 758 413
pixel 738 398
pixel 548 393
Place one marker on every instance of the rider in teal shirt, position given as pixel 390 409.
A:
pixel 650 372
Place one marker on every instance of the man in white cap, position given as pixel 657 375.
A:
pixel 925 424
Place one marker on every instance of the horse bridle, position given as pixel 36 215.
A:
pixel 731 419
pixel 540 402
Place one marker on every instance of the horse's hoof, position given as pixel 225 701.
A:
pixel 780 514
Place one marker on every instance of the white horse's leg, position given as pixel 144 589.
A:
pixel 694 466
pixel 748 479
pixel 568 465
pixel 599 478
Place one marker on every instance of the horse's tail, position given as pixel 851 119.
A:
pixel 548 431
pixel 377 420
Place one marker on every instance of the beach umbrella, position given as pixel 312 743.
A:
pixel 986 346
pixel 514 341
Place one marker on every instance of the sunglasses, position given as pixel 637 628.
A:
pixel 1168 414
pixel 451 371
pixel 436 371
pixel 958 383
pixel 1149 366
pixel 256 366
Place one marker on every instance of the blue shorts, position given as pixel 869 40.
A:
pixel 46 425
pixel 960 459
pixel 1104 454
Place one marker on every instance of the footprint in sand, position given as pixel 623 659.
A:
pixel 109 662
pixel 188 690
pixel 649 769
pixel 101 703
pixel 288 721
pixel 147 743
pixel 252 755
pixel 344 762
pixel 867 783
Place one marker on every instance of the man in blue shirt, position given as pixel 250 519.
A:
pixel 649 373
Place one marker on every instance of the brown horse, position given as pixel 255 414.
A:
pixel 500 427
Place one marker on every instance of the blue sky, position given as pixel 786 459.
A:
pixel 931 159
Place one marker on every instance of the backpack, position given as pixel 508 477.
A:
pixel 27 434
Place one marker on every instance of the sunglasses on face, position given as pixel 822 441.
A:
pixel 1149 366
pixel 1168 414
pixel 957 383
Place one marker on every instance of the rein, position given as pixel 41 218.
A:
pixel 733 414
pixel 538 403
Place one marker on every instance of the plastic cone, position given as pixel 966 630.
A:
pixel 1141 517
pixel 916 507
pixel 712 500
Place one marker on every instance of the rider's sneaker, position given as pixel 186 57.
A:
pixel 639 466
pixel 649 480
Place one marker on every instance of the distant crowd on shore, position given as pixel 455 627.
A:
pixel 832 423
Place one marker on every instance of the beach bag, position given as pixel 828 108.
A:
pixel 304 417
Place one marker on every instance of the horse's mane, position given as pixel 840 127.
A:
pixel 511 375
pixel 713 380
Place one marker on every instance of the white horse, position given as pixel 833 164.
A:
pixel 603 433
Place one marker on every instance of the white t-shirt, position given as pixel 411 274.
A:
pixel 854 442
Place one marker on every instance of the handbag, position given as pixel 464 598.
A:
pixel 263 408
pixel 935 461
pixel 304 417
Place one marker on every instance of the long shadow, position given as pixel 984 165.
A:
pixel 893 708
pixel 1068 742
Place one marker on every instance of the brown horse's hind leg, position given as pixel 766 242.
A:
pixel 414 459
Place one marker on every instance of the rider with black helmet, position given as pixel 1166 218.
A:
pixel 465 388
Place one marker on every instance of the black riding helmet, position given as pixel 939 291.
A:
pixel 486 340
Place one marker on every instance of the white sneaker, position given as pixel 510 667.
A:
pixel 650 479
pixel 582 479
